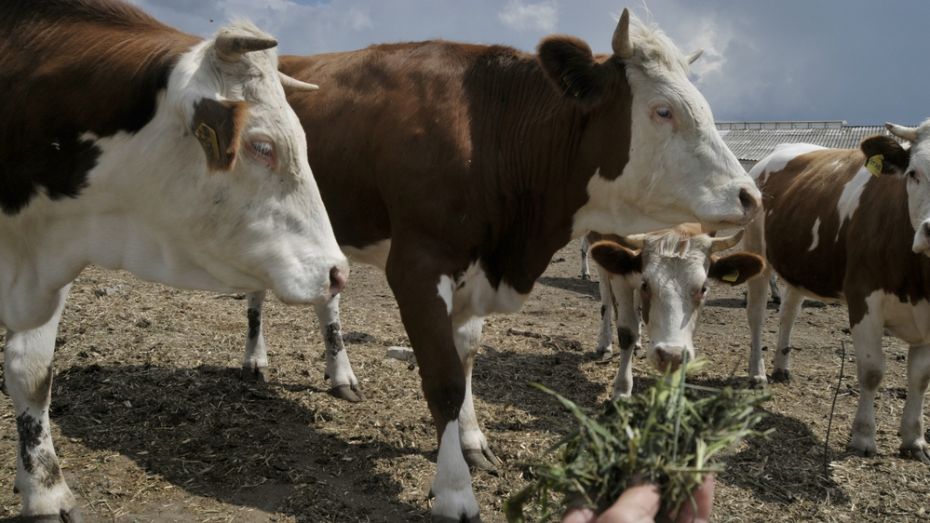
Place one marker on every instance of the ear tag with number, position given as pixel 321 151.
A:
pixel 731 277
pixel 207 137
pixel 874 164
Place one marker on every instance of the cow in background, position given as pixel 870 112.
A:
pixel 670 270
pixel 127 144
pixel 853 226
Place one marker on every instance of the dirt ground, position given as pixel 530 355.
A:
pixel 153 423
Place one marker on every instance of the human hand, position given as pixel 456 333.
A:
pixel 640 504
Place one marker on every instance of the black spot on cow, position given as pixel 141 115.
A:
pixel 333 339
pixel 30 433
pixel 255 322
pixel 626 338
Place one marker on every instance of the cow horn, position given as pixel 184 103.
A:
pixel 230 45
pixel 293 85
pixel 694 56
pixel 621 40
pixel 719 244
pixel 905 133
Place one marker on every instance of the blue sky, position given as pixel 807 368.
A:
pixel 857 60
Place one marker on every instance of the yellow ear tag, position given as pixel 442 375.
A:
pixel 207 137
pixel 874 165
pixel 731 277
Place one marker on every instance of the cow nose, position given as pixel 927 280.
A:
pixel 668 357
pixel 750 201
pixel 337 281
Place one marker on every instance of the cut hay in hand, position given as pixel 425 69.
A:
pixel 669 434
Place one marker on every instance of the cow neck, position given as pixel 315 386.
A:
pixel 533 154
pixel 68 69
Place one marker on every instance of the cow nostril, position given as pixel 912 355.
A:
pixel 337 281
pixel 926 228
pixel 749 202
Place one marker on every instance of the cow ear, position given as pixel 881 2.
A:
pixel 617 259
pixel 217 125
pixel 570 65
pixel 735 269
pixel 884 155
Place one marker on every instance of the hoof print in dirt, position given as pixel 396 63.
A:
pixel 256 374
pixel 921 454
pixel 348 393
pixel 781 376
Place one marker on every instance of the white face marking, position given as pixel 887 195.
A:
pixel 679 169
pixel 918 189
pixel 452 483
pixel 815 232
pixel 849 198
pixel 445 288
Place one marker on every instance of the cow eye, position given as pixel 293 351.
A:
pixel 703 290
pixel 664 112
pixel 912 174
pixel 263 150
pixel 644 287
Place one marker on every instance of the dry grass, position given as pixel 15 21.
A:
pixel 153 423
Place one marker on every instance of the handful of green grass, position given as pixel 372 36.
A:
pixel 669 435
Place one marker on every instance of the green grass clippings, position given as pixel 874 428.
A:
pixel 669 434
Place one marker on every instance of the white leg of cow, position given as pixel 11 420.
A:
pixel 255 365
pixel 870 368
pixel 773 287
pixel 28 371
pixel 474 445
pixel 608 309
pixel 756 301
pixel 624 298
pixel 342 380
pixel 585 267
pixel 790 306
pixel 913 443
pixel 452 483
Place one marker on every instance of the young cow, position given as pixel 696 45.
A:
pixel 127 144
pixel 670 270
pixel 844 225
pixel 461 169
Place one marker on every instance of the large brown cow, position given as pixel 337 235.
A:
pixel 834 231
pixel 128 144
pixel 461 169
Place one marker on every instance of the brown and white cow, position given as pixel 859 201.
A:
pixel 834 231
pixel 127 144
pixel 461 169
pixel 669 270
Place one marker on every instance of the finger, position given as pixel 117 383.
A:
pixel 703 501
pixel 579 515
pixel 638 504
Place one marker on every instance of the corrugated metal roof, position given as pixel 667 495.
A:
pixel 753 141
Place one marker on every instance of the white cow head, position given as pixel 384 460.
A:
pixel 888 156
pixel 677 169
pixel 671 269
pixel 229 197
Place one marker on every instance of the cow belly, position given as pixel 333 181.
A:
pixel 909 322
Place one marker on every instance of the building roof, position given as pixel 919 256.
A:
pixel 753 141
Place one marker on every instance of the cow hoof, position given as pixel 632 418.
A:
pixel 482 459
pixel 65 516
pixel 921 454
pixel 867 452
pixel 604 354
pixel 350 393
pixel 781 376
pixel 256 374
pixel 758 382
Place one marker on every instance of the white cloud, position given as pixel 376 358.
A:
pixel 542 16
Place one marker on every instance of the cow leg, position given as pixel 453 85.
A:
pixel 585 267
pixel 608 309
pixel 913 443
pixel 870 367
pixel 628 331
pixel 773 288
pixel 756 301
pixel 255 365
pixel 424 297
pixel 343 382
pixel 28 371
pixel 474 444
pixel 790 307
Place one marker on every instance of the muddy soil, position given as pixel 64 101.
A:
pixel 153 423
